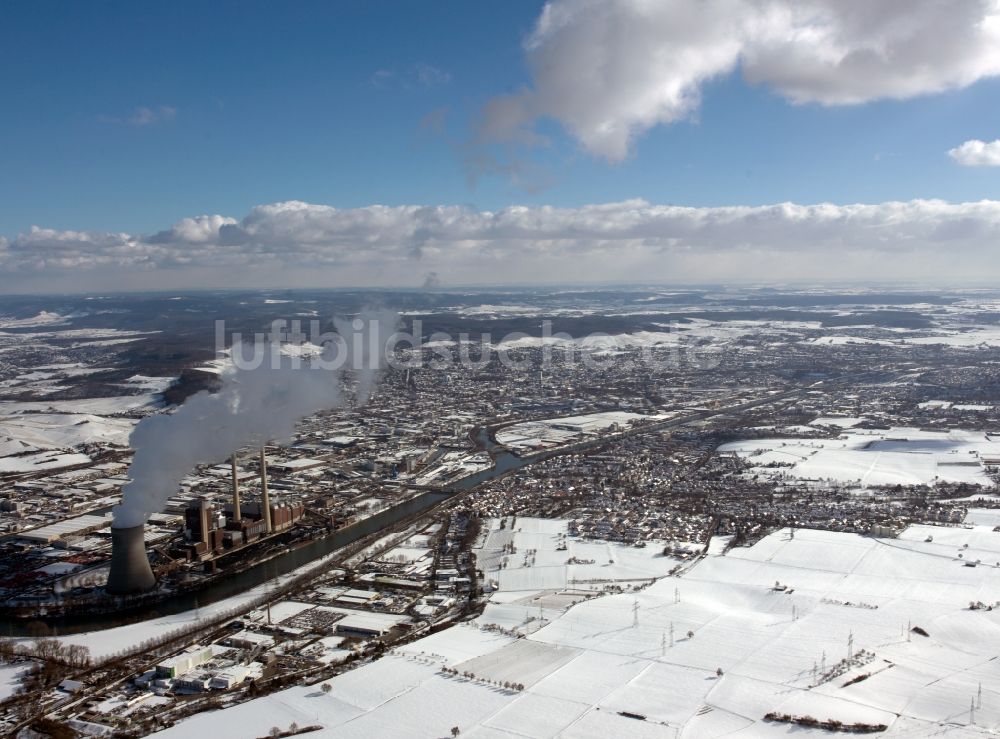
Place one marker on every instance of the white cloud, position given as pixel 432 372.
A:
pixel 417 75
pixel 609 70
pixel 145 116
pixel 43 249
pixel 302 243
pixel 382 77
pixel 976 153
pixel 427 75
pixel 197 230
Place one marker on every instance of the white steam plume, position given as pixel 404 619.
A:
pixel 367 334
pixel 254 406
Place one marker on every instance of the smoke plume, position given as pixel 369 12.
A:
pixel 257 403
pixel 367 334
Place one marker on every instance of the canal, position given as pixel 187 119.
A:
pixel 228 586
pixel 285 562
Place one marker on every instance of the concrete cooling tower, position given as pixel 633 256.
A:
pixel 130 570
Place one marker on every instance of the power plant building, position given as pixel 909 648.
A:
pixel 211 531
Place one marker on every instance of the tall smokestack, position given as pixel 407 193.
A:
pixel 203 515
pixel 130 570
pixel 254 404
pixel 237 514
pixel 265 500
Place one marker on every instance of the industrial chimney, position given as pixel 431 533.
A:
pixel 237 513
pixel 265 500
pixel 130 570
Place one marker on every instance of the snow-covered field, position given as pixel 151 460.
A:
pixel 538 563
pixel 31 422
pixel 43 461
pixel 43 318
pixel 10 676
pixel 39 430
pixel 778 650
pixel 557 431
pixel 584 664
pixel 64 430
pixel 675 335
pixel 964 337
pixel 904 456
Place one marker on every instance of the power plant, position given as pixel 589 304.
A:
pixel 212 532
pixel 130 570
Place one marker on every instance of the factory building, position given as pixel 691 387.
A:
pixel 184 662
pixel 79 526
pixel 250 640
pixel 229 677
pixel 292 466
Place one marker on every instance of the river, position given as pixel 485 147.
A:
pixel 281 564
pixel 228 586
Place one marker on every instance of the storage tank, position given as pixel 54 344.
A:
pixel 130 570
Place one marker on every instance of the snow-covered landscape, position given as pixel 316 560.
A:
pixel 897 456
pixel 804 623
pixel 637 576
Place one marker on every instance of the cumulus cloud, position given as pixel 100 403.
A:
pixel 303 243
pixel 197 230
pixel 608 70
pixel 976 153
pixel 50 249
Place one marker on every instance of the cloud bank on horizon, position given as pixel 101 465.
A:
pixel 297 243
pixel 609 71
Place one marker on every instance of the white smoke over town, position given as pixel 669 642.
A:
pixel 368 335
pixel 257 403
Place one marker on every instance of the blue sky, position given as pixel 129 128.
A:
pixel 129 117
pixel 280 101
pixel 274 101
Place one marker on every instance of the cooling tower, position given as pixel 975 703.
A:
pixel 130 570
